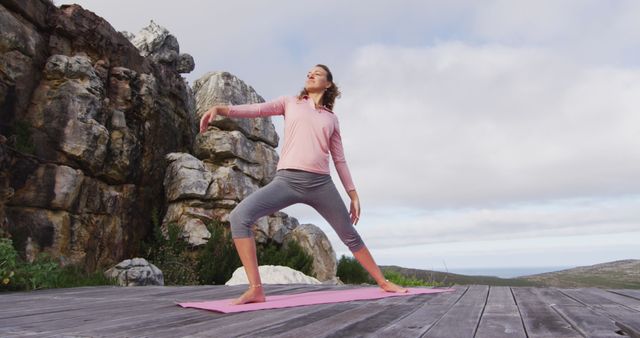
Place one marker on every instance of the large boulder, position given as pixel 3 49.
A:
pixel 315 242
pixel 136 272
pixel 273 274
pixel 233 149
pixel 223 88
pixel 277 227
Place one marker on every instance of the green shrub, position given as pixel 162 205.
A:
pixel 20 275
pixel 171 254
pixel 43 273
pixel 351 272
pixel 218 259
pixel 8 263
pixel 75 275
pixel 290 254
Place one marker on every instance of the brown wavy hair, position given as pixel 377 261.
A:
pixel 329 97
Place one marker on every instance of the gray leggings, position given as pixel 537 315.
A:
pixel 290 186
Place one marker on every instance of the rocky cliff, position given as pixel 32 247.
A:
pixel 99 134
pixel 88 121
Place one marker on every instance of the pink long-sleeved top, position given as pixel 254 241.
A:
pixel 310 135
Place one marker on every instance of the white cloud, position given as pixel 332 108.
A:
pixel 531 225
pixel 396 228
pixel 458 125
pixel 555 251
pixel 586 30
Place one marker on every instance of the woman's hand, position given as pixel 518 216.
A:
pixel 208 116
pixel 354 210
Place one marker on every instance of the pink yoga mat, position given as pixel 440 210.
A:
pixel 306 298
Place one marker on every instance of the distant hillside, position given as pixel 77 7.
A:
pixel 623 274
pixel 452 278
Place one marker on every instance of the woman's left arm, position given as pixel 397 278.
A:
pixel 340 162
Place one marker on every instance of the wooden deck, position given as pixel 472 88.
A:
pixel 470 311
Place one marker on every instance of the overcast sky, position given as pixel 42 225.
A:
pixel 478 134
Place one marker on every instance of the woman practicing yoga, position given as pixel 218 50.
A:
pixel 311 134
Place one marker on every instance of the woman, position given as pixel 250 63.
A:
pixel 311 134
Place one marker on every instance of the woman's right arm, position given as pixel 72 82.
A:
pixel 274 107
pixel 210 115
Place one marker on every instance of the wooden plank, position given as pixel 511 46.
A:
pixel 233 325
pixel 391 312
pixel 31 305
pixel 326 326
pixel 71 311
pixel 71 318
pixel 154 318
pixel 588 322
pixel 18 333
pixel 70 307
pixel 149 310
pixel 627 292
pixel 215 319
pixel 617 298
pixel 604 301
pixel 501 317
pixel 278 323
pixel 609 311
pixel 586 310
pixel 426 314
pixel 33 313
pixel 633 332
pixel 463 317
pixel 164 326
pixel 99 331
pixel 55 291
pixel 539 319
pixel 151 328
pixel 600 298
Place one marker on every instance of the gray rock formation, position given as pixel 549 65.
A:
pixel 222 88
pixel 276 227
pixel 198 193
pixel 84 119
pixel 155 42
pixel 235 157
pixel 315 242
pixel 136 272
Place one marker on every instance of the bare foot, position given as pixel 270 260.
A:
pixel 391 287
pixel 252 295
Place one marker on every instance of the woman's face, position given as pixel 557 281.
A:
pixel 317 80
